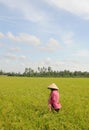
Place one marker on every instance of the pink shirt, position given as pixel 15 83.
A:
pixel 54 99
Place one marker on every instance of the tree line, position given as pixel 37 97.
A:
pixel 46 72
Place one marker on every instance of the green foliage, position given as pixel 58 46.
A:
pixel 23 104
pixel 46 72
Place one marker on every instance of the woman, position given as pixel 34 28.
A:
pixel 53 101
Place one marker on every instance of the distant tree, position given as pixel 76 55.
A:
pixel 26 70
pixel 1 72
pixel 49 69
pixel 48 72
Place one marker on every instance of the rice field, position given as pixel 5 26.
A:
pixel 24 104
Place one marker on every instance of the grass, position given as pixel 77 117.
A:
pixel 23 104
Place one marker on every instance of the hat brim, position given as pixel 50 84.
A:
pixel 53 86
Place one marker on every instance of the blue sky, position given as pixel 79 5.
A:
pixel 44 33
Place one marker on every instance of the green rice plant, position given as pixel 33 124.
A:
pixel 24 104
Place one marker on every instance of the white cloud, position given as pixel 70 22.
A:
pixel 9 19
pixel 24 37
pixel 53 42
pixel 15 49
pixel 1 45
pixel 12 37
pixel 47 61
pixel 10 56
pixel 1 35
pixel 51 46
pixel 26 9
pixel 19 66
pixel 83 53
pixel 77 7
pixel 68 38
pixel 22 57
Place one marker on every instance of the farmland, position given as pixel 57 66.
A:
pixel 23 104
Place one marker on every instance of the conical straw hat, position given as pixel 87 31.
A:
pixel 53 86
